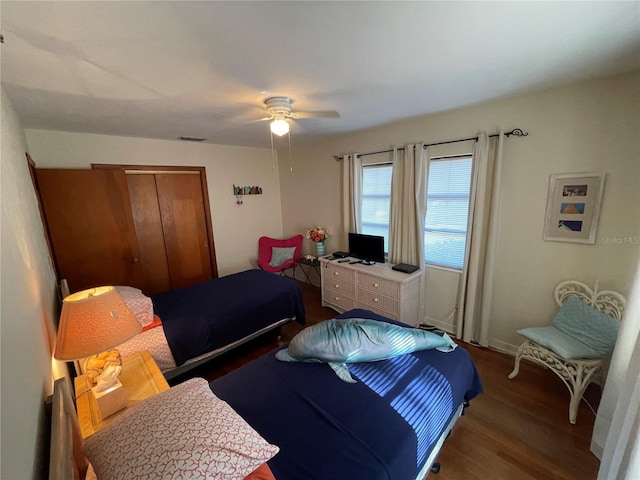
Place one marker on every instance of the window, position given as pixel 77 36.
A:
pixel 447 211
pixel 376 200
pixel 445 232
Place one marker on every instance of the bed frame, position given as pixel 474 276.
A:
pixel 66 459
pixel 432 465
pixel 197 361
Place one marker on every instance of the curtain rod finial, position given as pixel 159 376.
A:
pixel 518 132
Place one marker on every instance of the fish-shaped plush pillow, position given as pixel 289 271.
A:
pixel 338 342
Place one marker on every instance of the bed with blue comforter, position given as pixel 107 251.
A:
pixel 208 316
pixel 388 425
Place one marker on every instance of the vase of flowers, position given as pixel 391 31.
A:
pixel 318 235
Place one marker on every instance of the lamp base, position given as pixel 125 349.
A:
pixel 94 366
pixel 110 401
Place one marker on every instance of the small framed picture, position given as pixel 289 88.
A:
pixel 573 207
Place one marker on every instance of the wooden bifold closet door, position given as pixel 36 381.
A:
pixel 147 229
pixel 169 217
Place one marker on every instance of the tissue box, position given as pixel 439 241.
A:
pixel 112 400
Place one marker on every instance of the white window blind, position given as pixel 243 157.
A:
pixel 376 200
pixel 447 211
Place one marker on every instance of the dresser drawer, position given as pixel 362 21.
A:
pixel 379 285
pixel 338 286
pixel 339 273
pixel 378 301
pixel 342 301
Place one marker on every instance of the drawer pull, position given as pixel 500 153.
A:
pixel 337 299
pixel 337 286
pixel 375 299
pixel 375 285
pixel 336 273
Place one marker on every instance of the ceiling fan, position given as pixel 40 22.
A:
pixel 279 110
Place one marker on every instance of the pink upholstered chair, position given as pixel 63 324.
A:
pixel 277 255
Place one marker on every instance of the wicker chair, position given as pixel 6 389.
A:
pixel 559 346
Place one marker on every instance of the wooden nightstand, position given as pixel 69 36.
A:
pixel 140 377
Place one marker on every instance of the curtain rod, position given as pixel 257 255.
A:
pixel 518 132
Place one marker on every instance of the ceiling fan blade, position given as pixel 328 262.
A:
pixel 318 114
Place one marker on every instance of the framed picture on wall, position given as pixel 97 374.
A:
pixel 573 207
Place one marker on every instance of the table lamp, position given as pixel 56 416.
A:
pixel 93 321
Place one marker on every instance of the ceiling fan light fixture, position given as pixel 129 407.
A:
pixel 279 127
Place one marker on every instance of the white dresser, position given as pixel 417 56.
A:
pixel 375 287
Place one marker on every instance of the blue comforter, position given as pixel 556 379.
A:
pixel 203 317
pixel 382 427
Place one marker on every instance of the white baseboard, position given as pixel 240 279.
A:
pixel 498 345
pixel 503 347
pixel 447 327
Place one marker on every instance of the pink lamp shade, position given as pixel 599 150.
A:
pixel 93 321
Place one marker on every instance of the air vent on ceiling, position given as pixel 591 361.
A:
pixel 192 139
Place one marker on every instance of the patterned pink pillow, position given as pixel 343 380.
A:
pixel 184 432
pixel 139 304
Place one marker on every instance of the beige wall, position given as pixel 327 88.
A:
pixel 28 307
pixel 236 228
pixel 588 127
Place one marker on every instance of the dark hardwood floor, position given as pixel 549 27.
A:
pixel 516 430
pixel 519 429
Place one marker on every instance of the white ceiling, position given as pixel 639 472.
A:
pixel 203 69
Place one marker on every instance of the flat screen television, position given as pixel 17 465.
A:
pixel 366 247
